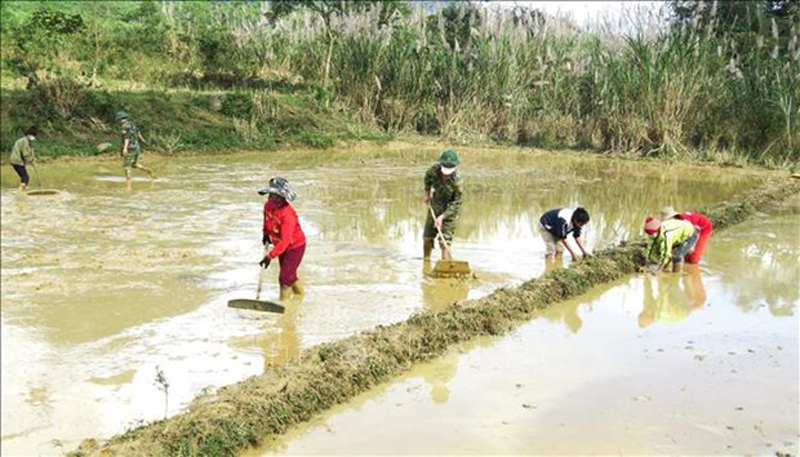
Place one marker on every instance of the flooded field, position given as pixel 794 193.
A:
pixel 103 287
pixel 704 363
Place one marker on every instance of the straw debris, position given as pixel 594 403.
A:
pixel 241 415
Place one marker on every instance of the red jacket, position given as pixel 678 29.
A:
pixel 698 220
pixel 283 228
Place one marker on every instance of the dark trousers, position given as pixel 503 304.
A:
pixel 22 172
pixel 290 261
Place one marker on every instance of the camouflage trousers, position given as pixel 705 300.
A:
pixel 448 228
pixel 132 158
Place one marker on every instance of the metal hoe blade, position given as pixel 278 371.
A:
pixel 448 268
pixel 256 305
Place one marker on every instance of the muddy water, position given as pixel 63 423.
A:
pixel 703 363
pixel 104 286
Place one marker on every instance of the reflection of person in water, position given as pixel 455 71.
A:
pixel 282 347
pixel 438 293
pixel 572 318
pixel 677 297
pixel 439 374
pixel 553 263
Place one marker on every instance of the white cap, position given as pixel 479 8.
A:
pixel 447 170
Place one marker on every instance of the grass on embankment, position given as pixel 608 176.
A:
pixel 241 415
pixel 75 121
pixel 179 122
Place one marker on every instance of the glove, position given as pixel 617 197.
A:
pixel 265 262
pixel 265 240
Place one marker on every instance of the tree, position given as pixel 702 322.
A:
pixel 39 38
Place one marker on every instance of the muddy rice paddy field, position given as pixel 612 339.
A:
pixel 104 287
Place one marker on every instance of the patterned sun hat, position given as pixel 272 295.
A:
pixel 279 186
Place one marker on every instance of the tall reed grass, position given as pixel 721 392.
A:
pixel 516 76
pixel 639 84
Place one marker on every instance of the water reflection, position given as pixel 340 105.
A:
pixel 673 298
pixel 439 375
pixel 553 263
pixel 282 344
pixel 759 260
pixel 97 268
pixel 616 195
pixel 127 255
pixel 438 293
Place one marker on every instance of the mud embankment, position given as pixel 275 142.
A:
pixel 241 415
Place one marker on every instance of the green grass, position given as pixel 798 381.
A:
pixel 717 90
pixel 173 122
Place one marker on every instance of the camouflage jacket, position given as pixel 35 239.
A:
pixel 447 195
pixel 130 132
pixel 22 152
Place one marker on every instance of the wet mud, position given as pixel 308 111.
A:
pixel 701 363
pixel 330 373
pixel 105 287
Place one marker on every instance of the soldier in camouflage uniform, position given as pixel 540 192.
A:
pixel 130 146
pixel 443 194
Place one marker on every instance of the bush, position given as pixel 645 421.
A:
pixel 237 105
pixel 316 140
pixel 59 95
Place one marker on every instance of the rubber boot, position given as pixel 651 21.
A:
pixel 427 248
pixel 286 293
pixel 427 269
pixel 298 287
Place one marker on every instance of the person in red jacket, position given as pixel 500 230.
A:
pixel 282 230
pixel 700 222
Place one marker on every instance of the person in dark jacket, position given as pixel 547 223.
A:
pixel 556 224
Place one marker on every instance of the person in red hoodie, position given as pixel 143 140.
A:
pixel 282 230
pixel 700 222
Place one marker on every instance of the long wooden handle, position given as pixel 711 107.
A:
pixel 38 179
pixel 441 236
pixel 261 277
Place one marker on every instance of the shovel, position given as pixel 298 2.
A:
pixel 257 304
pixel 447 268
pixel 40 191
